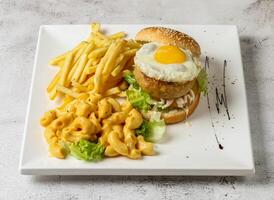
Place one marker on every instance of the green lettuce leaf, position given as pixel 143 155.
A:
pixel 129 77
pixel 153 130
pixel 143 130
pixel 85 150
pixel 202 80
pixel 139 99
pixel 136 96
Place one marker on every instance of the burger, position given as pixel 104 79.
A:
pixel 167 77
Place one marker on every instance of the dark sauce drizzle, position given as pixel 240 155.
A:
pixel 209 108
pixel 221 99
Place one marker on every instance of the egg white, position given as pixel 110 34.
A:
pixel 179 72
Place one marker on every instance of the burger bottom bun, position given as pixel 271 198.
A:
pixel 176 115
pixel 162 89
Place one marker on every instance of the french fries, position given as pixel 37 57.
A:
pixel 95 65
pixel 98 53
pixel 54 82
pixel 67 91
pixel 95 27
pixel 118 35
pixel 110 64
pixel 55 61
pixel 80 68
pixel 120 66
pixel 66 68
pixel 112 91
pixel 79 52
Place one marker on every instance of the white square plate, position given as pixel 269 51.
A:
pixel 186 150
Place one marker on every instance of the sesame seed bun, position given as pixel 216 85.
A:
pixel 159 89
pixel 170 37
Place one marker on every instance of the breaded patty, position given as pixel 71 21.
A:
pixel 161 89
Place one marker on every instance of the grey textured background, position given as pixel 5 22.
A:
pixel 19 25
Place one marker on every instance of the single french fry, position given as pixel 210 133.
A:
pixel 80 67
pixel 130 52
pixel 75 49
pixel 118 35
pixel 133 44
pixel 97 41
pixel 91 70
pixel 66 101
pixel 83 96
pixel 119 59
pixel 52 94
pixel 110 64
pixel 99 70
pixel 57 59
pixel 106 43
pixel 71 73
pixel 125 55
pixel 79 86
pixel 79 52
pixel 66 68
pixel 89 63
pixel 75 89
pixel 84 73
pixel 60 63
pixel 67 91
pixel 112 91
pixel 97 53
pixel 100 35
pixel 89 48
pixel 87 71
pixel 95 62
pixel 89 83
pixel 54 81
pixel 95 27
pixel 119 67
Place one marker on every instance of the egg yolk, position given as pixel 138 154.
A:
pixel 169 55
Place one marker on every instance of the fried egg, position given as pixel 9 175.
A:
pixel 167 63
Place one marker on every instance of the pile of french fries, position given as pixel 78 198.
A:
pixel 95 65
